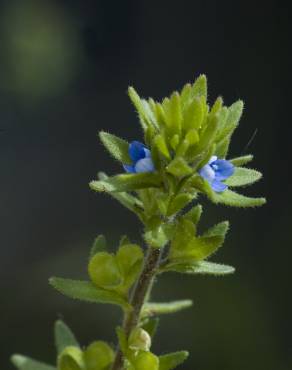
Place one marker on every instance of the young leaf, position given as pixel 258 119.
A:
pixel 26 363
pixel 122 339
pixel 150 325
pixel 179 167
pixel 208 135
pixel 199 267
pixel 127 182
pixel 234 114
pixel 64 337
pixel 179 202
pixel 194 214
pixel 173 113
pixel 240 161
pixel 71 359
pixel 137 102
pixel 199 88
pixel 243 176
pixel 86 291
pixel 124 240
pixel 159 142
pixel 99 245
pixel 172 360
pixel 152 309
pixel 116 146
pixel 159 236
pixel 129 201
pixel 194 115
pixel 230 198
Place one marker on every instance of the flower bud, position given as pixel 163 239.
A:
pixel 71 359
pixel 104 270
pixel 98 356
pixel 145 361
pixel 140 340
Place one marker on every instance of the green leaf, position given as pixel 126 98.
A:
pixel 158 237
pixel 234 114
pixel 194 214
pixel 122 339
pixel 179 202
pixel 127 182
pixel 71 358
pixel 240 161
pixel 201 267
pixel 219 229
pixel 152 308
pixel 172 360
pixel 64 337
pixel 99 245
pixel 129 201
pixel 194 115
pixel 243 176
pixel 173 113
pixel 179 167
pixel 199 88
pixel 150 324
pixel 217 106
pixel 188 247
pixel 230 198
pixel 208 135
pixel 161 145
pixel 124 240
pixel 140 107
pixel 26 363
pixel 116 146
pixel 86 291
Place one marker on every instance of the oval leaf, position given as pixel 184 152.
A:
pixel 86 291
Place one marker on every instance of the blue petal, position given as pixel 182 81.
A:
pixel 136 151
pixel 129 168
pixel 224 169
pixel 218 186
pixel 144 165
pixel 147 153
pixel 207 173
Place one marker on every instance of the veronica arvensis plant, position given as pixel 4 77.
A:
pixel 182 156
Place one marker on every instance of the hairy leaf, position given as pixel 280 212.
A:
pixel 230 198
pixel 64 337
pixel 201 267
pixel 26 363
pixel 129 201
pixel 172 360
pixel 99 245
pixel 127 182
pixel 153 308
pixel 243 176
pixel 86 291
pixel 116 146
pixel 240 161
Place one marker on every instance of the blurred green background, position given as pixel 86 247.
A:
pixel 64 70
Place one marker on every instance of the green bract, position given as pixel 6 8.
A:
pixel 165 176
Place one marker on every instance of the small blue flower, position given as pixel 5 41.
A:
pixel 141 158
pixel 215 171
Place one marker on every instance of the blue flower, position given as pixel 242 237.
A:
pixel 141 158
pixel 215 171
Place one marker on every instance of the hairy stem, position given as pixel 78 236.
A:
pixel 139 294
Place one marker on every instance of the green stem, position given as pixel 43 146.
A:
pixel 139 294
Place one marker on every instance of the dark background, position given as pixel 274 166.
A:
pixel 65 67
